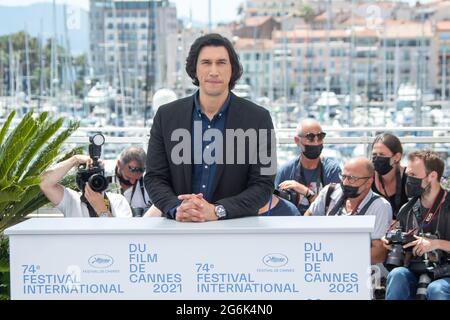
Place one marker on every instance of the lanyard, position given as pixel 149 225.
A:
pixel 435 208
pixel 270 205
pixel 398 189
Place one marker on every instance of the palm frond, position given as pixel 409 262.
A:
pixel 51 151
pixel 6 126
pixel 48 129
pixel 14 146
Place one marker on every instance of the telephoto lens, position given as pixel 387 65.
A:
pixel 424 281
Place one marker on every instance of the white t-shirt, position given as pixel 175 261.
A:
pixel 380 208
pixel 137 201
pixel 72 207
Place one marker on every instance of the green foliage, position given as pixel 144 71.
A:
pixel 18 46
pixel 4 268
pixel 307 12
pixel 29 149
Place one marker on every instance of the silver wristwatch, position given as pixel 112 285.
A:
pixel 220 211
pixel 104 214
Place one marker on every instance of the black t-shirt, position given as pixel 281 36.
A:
pixel 440 223
pixel 391 199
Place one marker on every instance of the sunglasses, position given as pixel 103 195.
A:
pixel 311 136
pixel 136 169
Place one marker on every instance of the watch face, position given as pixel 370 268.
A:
pixel 220 212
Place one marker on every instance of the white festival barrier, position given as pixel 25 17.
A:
pixel 154 258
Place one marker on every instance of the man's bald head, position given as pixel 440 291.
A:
pixel 308 125
pixel 360 167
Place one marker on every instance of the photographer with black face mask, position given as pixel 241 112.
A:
pixel 301 179
pixel 129 172
pixel 422 268
pixel 353 196
pixel 93 201
pixel 390 177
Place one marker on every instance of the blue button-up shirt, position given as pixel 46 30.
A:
pixel 202 171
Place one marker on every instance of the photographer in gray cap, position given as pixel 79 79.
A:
pixel 129 173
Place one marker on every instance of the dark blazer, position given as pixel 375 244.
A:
pixel 240 188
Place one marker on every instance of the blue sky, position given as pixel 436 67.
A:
pixel 222 10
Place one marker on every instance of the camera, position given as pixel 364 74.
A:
pixel 289 195
pixel 397 239
pixel 439 271
pixel 138 211
pixel 94 175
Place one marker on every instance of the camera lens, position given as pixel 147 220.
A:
pixel 395 257
pixel 98 183
pixel 137 212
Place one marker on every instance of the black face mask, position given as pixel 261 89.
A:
pixel 122 179
pixel 350 191
pixel 414 187
pixel 312 152
pixel 382 165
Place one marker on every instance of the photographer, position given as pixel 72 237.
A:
pixel 129 173
pixel 71 203
pixel 390 177
pixel 428 212
pixel 307 174
pixel 353 196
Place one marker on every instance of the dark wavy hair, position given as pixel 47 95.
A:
pixel 391 141
pixel 215 40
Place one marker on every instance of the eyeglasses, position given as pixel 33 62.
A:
pixel 311 136
pixel 136 169
pixel 351 179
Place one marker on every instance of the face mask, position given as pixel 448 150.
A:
pixel 350 191
pixel 313 152
pixel 414 187
pixel 122 179
pixel 382 165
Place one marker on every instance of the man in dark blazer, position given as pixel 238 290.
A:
pixel 198 166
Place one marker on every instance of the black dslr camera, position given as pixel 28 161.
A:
pixel 439 271
pixel 94 175
pixel 397 239
pixel 289 195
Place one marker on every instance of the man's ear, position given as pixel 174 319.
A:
pixel 433 175
pixel 297 140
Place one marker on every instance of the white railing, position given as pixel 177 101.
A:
pixel 284 136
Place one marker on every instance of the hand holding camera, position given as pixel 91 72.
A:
pixel 421 245
pixel 92 172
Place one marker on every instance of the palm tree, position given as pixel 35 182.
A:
pixel 25 153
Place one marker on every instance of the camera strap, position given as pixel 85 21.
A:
pixel 435 208
pixel 337 209
pixel 141 187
